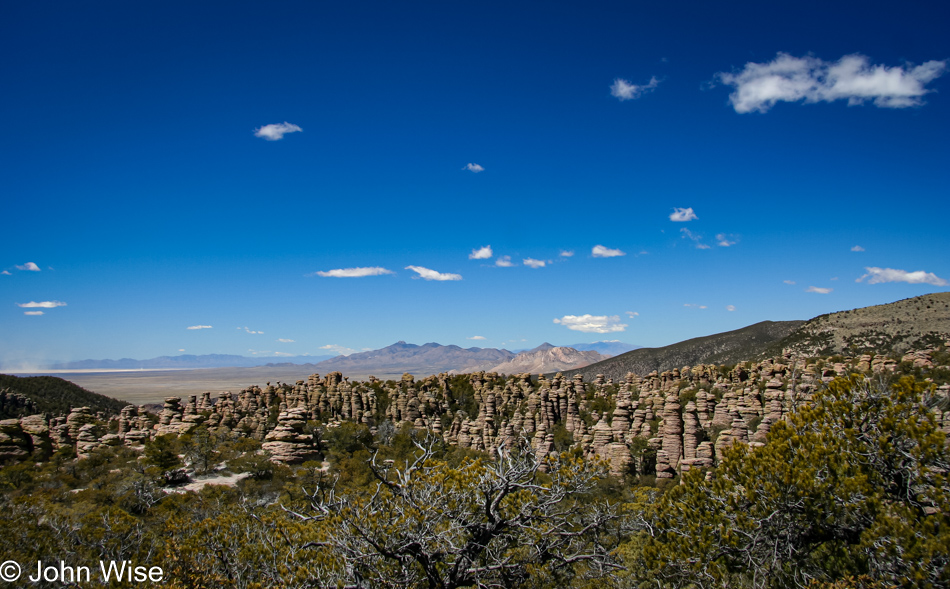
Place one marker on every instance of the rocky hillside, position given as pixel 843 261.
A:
pixel 430 358
pixel 21 396
pixel 722 348
pixel 889 330
pixel 548 358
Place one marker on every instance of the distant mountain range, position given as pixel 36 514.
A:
pixel 185 361
pixel 889 330
pixel 426 359
pixel 398 358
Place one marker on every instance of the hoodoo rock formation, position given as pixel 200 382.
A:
pixel 663 422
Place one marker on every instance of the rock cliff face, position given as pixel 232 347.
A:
pixel 661 423
pixel 547 359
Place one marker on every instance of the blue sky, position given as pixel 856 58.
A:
pixel 175 165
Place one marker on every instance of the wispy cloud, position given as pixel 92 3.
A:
pixel 592 323
pixel 789 281
pixel 276 131
pixel 532 263
pixel 697 239
pixel 504 262
pixel 427 274
pixel 181 349
pixel 29 266
pixel 682 215
pixel 694 306
pixel 6 273
pixel 353 272
pixel 857 248
pixel 791 79
pixel 475 168
pixel 624 90
pixel 730 307
pixel 248 330
pixel 724 240
pixel 199 327
pixel 476 337
pixel 42 304
pixel 632 314
pixel 566 253
pixel 880 275
pixel 285 341
pixel 818 289
pixel 340 350
pixel 599 251
pixel 33 313
pixel 482 253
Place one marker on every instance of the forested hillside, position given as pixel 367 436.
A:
pixel 49 394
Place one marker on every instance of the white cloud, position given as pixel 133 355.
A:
pixel 566 253
pixel 428 274
pixel 504 262
pixel 624 90
pixel 592 323
pixel 694 306
pixel 698 239
pixel 532 263
pixel 353 272
pixel 600 251
pixel 632 314
pixel 857 248
pixel 251 331
pixel 6 273
pixel 33 313
pixel 880 275
pixel 790 79
pixel 276 131
pixel 339 350
pixel 199 327
pixel 478 337
pixel 475 168
pixel 285 341
pixel 681 215
pixel 725 240
pixel 789 281
pixel 818 289
pixel 730 307
pixel 42 305
pixel 29 266
pixel 482 253
pixel 181 349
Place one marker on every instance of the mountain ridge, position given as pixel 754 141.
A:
pixel 889 329
pixel 547 358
